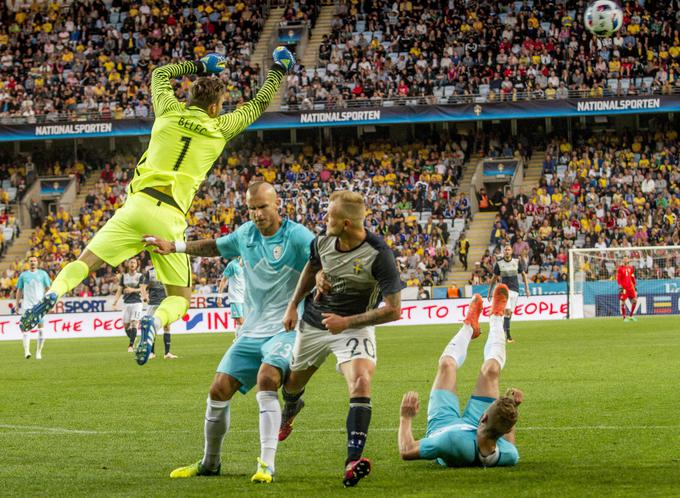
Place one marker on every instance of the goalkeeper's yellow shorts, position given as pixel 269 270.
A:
pixel 121 237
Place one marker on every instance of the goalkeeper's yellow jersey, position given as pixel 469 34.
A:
pixel 185 140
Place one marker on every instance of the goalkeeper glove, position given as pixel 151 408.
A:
pixel 284 58
pixel 213 63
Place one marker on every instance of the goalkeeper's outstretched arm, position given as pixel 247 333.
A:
pixel 235 122
pixel 162 93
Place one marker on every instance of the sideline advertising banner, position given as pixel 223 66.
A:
pixel 354 116
pixel 542 289
pixel 105 303
pixel 648 304
pixel 214 319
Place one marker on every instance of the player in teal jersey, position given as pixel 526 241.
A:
pixel 186 140
pixel 485 433
pixel 234 278
pixel 31 288
pixel 274 252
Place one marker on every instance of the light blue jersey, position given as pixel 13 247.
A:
pixel 272 267
pixel 237 283
pixel 451 439
pixel 33 284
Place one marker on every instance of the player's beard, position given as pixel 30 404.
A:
pixel 333 230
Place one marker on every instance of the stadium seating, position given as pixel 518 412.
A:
pixel 97 62
pixel 13 184
pixel 89 59
pixel 506 50
pixel 618 191
pixel 410 189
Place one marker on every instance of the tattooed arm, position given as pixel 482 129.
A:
pixel 206 248
pixel 388 313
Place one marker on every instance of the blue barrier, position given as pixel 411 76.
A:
pixel 542 289
pixel 591 290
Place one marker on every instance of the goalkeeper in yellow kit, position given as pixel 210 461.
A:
pixel 186 140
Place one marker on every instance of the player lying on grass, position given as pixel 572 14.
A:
pixel 362 272
pixel 186 140
pixel 485 433
pixel 625 277
pixel 274 252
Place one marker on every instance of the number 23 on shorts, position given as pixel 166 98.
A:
pixel 282 349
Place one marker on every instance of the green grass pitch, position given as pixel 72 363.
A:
pixel 600 418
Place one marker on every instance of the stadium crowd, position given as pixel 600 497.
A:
pixel 399 182
pixel 605 190
pixel 63 60
pixel 96 57
pixel 13 184
pixel 60 237
pixel 300 12
pixel 410 189
pixel 455 50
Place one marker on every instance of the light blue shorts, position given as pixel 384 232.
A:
pixel 444 409
pixel 236 310
pixel 243 359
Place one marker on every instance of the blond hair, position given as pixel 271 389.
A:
pixel 502 415
pixel 351 205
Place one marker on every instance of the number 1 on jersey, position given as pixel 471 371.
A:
pixel 187 141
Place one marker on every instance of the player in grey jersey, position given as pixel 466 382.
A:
pixel 507 270
pixel 155 290
pixel 130 287
pixel 362 272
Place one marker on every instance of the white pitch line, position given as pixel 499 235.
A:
pixel 34 429
pixel 56 430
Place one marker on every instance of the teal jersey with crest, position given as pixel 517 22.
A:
pixel 272 267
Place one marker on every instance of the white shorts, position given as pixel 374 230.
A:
pixel 512 300
pixel 151 309
pixel 132 312
pixel 313 345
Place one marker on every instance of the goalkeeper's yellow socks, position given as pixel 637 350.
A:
pixel 69 277
pixel 170 310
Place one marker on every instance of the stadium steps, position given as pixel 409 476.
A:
pixel 532 173
pixel 85 189
pixel 478 235
pixel 456 274
pixel 469 168
pixel 21 247
pixel 18 250
pixel 311 55
pixel 322 27
pixel 480 229
pixel 261 54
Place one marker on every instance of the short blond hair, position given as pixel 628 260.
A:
pixel 502 416
pixel 351 205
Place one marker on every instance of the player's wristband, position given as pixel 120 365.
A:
pixel 277 67
pixel 180 246
pixel 200 67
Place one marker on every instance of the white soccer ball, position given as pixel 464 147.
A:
pixel 603 18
